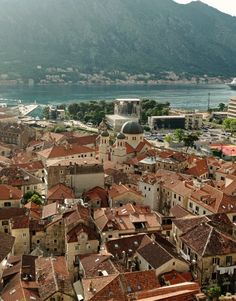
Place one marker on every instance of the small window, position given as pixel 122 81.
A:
pixel 216 260
pixel 5 223
pixel 213 276
pixel 38 241
pixel 190 205
pixel 7 204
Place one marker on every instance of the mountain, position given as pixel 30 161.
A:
pixel 135 36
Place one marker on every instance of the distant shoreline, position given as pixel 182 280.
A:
pixel 159 83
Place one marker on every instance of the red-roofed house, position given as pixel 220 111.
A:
pixel 123 194
pixel 59 193
pixel 67 151
pixel 10 196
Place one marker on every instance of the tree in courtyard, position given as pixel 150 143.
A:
pixel 32 196
pixel 230 124
pixel 190 139
pixel 168 138
pixel 179 135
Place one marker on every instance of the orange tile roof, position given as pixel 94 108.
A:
pixel 60 192
pixel 118 190
pixel 53 277
pixel 20 222
pixel 58 151
pixel 10 193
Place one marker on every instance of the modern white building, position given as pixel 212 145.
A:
pixel 232 107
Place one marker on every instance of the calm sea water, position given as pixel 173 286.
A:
pixel 180 96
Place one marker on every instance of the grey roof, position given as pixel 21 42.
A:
pixel 120 136
pixel 105 134
pixel 132 127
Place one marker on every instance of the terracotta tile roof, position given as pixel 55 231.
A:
pixel 173 155
pixel 8 213
pixel 178 186
pixel 35 211
pixel 129 148
pixel 166 251
pixel 162 175
pixel 10 193
pixel 83 140
pixel 93 263
pixel 18 177
pixel 75 215
pixel 213 199
pixel 174 277
pixel 118 287
pixel 58 151
pixel 23 158
pixel 129 245
pixel 7 243
pixel 154 261
pixel 50 210
pixel 31 166
pixel 207 235
pixel 136 160
pixel 178 211
pixel 126 218
pixel 199 169
pixel 118 190
pixel 17 289
pixel 53 277
pixel 219 221
pixel 52 137
pixel 72 235
pixel 89 161
pixel 97 194
pixel 103 289
pixel 206 240
pixel 20 222
pixel 60 192
pixel 186 291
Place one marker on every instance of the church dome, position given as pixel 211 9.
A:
pixel 132 128
pixel 120 136
pixel 105 134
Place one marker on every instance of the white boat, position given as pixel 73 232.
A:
pixel 232 85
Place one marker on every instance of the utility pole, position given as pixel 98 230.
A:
pixel 208 101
